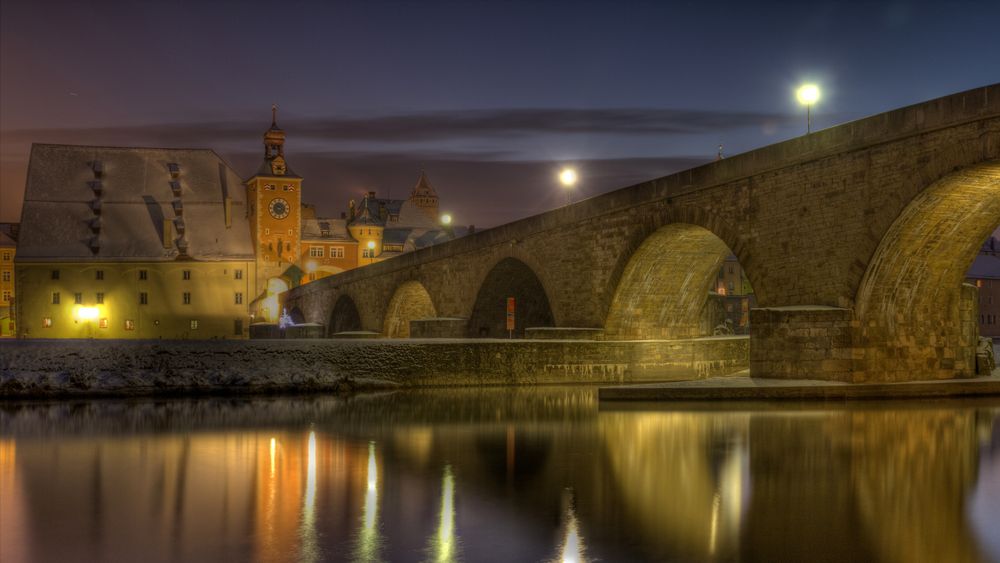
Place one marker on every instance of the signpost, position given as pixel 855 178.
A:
pixel 510 317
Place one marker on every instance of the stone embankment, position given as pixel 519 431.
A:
pixel 43 368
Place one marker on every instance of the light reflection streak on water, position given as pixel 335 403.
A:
pixel 272 457
pixel 443 546
pixel 307 532
pixel 572 549
pixel 369 540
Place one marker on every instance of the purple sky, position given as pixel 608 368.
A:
pixel 489 97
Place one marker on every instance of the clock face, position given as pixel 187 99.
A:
pixel 278 208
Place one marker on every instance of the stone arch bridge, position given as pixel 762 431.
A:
pixel 855 240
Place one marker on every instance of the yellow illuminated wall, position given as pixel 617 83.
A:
pixel 7 326
pixel 366 234
pixel 194 300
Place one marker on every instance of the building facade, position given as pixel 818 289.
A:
pixel 8 295
pixel 133 243
pixel 985 275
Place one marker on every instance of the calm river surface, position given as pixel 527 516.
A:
pixel 528 474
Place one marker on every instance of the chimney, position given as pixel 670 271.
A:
pixel 228 202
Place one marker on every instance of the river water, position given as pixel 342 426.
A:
pixel 526 474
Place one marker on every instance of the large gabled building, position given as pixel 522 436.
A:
pixel 133 243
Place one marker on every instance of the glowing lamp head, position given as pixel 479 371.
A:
pixel 568 177
pixel 311 266
pixel 808 94
pixel 446 219
pixel 371 245
pixel 87 313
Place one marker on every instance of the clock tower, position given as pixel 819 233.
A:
pixel 275 197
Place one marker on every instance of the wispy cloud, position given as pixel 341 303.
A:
pixel 430 126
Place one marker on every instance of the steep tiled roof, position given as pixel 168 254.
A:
pixel 132 188
pixel 325 229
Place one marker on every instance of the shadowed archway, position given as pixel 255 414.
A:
pixel 670 287
pixel 916 320
pixel 344 317
pixel 510 278
pixel 297 316
pixel 410 301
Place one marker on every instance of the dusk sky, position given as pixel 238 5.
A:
pixel 490 98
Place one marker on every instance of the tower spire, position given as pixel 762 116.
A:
pixel 274 115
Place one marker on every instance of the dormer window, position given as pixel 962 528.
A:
pixel 175 187
pixel 98 167
pixel 174 169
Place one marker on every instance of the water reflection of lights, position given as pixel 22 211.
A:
pixel 572 549
pixel 273 445
pixel 369 540
pixel 310 550
pixel 444 544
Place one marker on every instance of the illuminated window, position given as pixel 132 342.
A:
pixel 100 298
pixel 187 297
pixel 47 322
pixel 316 251
pixel 336 252
pixel 238 274
pixel 239 298
pixel 129 324
pixel 143 298
pixel 366 253
pixel 6 275
pixel 55 274
pixel 55 297
pixel 194 324
pixel 103 323
pixel 78 298
pixel 143 275
pixel 99 275
pixel 187 274
pixel 6 296
pixel 6 256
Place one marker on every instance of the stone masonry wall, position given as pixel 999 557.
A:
pixel 37 367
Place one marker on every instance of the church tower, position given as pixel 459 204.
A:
pixel 275 197
pixel 425 198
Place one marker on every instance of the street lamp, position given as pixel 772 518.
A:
pixel 446 219
pixel 371 251
pixel 568 178
pixel 808 94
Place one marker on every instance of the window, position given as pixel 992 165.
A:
pixel 6 296
pixel 316 251
pixel 103 323
pixel 288 246
pixel 289 232
pixel 129 324
pixel 99 275
pixel 78 298
pixel 238 274
pixel 187 297
pixel 366 253
pixel 6 275
pixel 270 247
pixel 267 231
pixel 336 252
pixel 143 298
pixel 47 322
pixel 6 256
pixel 55 297
pixel 187 274
pixel 194 324
pixel 100 298
pixel 239 298
pixel 238 327
pixel 55 274
pixel 143 275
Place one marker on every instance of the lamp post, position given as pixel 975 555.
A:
pixel 568 178
pixel 808 94
pixel 371 252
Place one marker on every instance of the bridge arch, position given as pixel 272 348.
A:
pixel 410 301
pixel 297 316
pixel 510 277
pixel 913 313
pixel 344 317
pixel 670 287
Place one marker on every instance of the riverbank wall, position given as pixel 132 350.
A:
pixel 46 368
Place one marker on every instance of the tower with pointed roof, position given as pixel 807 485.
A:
pixel 425 198
pixel 275 197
